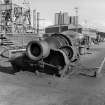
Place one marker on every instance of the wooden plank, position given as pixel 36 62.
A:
pixel 98 72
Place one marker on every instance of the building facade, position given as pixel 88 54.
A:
pixel 55 28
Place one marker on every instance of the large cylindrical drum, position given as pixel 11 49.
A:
pixel 57 41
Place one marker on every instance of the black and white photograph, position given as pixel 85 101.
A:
pixel 52 52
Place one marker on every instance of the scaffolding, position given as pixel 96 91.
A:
pixel 14 18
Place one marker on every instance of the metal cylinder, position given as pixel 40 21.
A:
pixel 51 55
pixel 41 49
pixel 37 50
pixel 62 42
pixel 57 41
pixel 68 51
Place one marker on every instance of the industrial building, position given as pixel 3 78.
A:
pixel 64 22
pixel 73 20
pixel 61 18
pixel 55 28
pixel 65 19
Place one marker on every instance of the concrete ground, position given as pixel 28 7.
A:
pixel 26 88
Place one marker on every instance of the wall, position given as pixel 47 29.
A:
pixel 22 40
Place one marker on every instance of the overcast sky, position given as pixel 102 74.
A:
pixel 91 12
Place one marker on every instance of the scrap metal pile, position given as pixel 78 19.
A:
pixel 51 55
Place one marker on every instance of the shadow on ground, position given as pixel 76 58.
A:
pixel 8 70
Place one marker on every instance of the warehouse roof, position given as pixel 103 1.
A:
pixel 70 26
